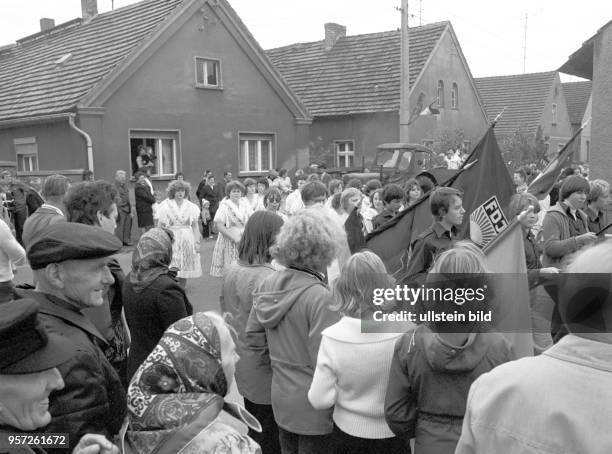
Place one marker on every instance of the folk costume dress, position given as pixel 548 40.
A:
pixel 233 217
pixel 180 220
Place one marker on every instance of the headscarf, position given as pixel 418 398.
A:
pixel 151 258
pixel 178 391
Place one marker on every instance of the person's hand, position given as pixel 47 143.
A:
pixel 549 270
pixel 95 444
pixel 586 238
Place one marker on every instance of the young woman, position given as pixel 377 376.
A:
pixel 272 202
pixel 230 219
pixel 435 363
pixel 242 278
pixel 181 217
pixel 252 196
pixel 376 207
pixel 350 201
pixel 414 193
pixel 353 367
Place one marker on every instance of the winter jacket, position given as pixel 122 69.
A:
pixel 429 383
pixel 558 242
pixel 290 310
pixel 92 400
pixel 253 379
pixel 557 402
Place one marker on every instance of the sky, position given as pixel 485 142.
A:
pixel 491 32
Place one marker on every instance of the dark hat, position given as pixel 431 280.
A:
pixel 71 241
pixel 25 345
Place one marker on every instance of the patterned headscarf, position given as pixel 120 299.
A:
pixel 151 258
pixel 179 389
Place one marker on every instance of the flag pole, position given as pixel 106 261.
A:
pixel 404 114
pixel 496 119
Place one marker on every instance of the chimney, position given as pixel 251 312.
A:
pixel 46 24
pixel 332 33
pixel 89 9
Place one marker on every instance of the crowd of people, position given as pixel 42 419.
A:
pixel 121 362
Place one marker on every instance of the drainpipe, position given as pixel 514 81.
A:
pixel 90 165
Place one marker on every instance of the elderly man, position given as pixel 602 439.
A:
pixel 70 266
pixel 124 209
pixel 558 401
pixel 29 374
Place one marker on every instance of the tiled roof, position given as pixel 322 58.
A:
pixel 524 97
pixel 577 96
pixel 360 74
pixel 32 84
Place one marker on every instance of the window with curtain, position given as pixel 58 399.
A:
pixel 256 153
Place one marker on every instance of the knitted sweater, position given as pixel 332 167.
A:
pixel 351 375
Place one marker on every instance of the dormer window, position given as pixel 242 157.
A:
pixel 208 72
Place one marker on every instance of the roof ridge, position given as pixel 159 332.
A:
pixel 517 75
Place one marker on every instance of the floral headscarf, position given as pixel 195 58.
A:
pixel 151 258
pixel 178 391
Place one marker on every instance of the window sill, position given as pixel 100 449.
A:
pixel 254 173
pixel 162 177
pixel 209 87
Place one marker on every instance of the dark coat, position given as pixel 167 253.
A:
pixel 144 205
pixel 354 231
pixel 213 195
pixel 92 400
pixel 149 313
pixel 33 201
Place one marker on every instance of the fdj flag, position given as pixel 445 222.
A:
pixel 486 222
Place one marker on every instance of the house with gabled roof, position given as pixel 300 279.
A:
pixel 351 87
pixel 183 77
pixel 579 101
pixel 528 101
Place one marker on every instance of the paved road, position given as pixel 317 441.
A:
pixel 203 292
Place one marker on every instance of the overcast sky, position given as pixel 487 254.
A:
pixel 490 32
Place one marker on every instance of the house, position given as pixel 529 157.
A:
pixel 183 77
pixel 351 87
pixel 578 97
pixel 528 101
pixel 593 61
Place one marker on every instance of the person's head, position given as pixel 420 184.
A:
pixel 427 181
pixel 141 150
pixel 376 198
pixel 151 257
pixel 371 186
pixel 251 185
pixel 301 181
pixel 93 203
pixel 282 173
pixel 262 186
pixel 88 175
pixel 141 177
pixel 71 261
pixel 450 153
pixel 120 176
pixel 519 177
pixel 29 357
pixel 54 188
pixel 574 191
pixel 413 190
pixel 335 203
pixel 273 199
pixel 36 183
pixel 350 199
pixel 392 197
pixel 566 173
pixel 259 234
pixel 361 275
pixel 354 183
pixel 6 176
pixel 599 194
pixel 234 190
pixel 178 190
pixel 227 176
pixel 313 177
pixel 446 206
pixel 335 186
pixel 314 193
pixel 309 239
pixel 179 176
pixel 210 179
pixel 522 202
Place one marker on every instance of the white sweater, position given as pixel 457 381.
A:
pixel 10 252
pixel 351 375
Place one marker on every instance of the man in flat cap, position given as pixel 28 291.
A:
pixel 29 358
pixel 70 266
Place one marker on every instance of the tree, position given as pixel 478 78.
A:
pixel 522 148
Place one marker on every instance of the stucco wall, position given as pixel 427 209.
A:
pixel 600 164
pixel 560 132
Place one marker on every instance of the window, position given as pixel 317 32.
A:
pixel 546 147
pixel 428 143
pixel 256 152
pixel 345 153
pixel 588 150
pixel 161 148
pixel 208 73
pixel 440 93
pixel 554 114
pixel 455 97
pixel 26 150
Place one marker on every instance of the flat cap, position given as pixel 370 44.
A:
pixel 71 241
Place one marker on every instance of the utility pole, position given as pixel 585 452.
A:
pixel 404 114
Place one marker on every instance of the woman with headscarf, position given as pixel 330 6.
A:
pixel 176 399
pixel 152 297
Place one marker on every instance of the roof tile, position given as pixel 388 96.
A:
pixel 577 96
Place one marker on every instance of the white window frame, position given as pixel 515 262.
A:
pixel 554 113
pixel 455 96
pixel 344 155
pixel 23 141
pixel 201 61
pixel 158 136
pixel 243 151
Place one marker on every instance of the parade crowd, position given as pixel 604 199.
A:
pixel 121 363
